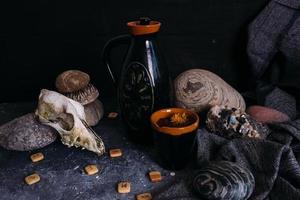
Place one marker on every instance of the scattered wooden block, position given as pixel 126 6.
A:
pixel 115 153
pixel 37 157
pixel 112 115
pixel 155 176
pixel 144 196
pixel 123 187
pixel 32 179
pixel 91 169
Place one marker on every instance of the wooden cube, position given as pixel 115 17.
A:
pixel 37 157
pixel 91 169
pixel 144 196
pixel 115 153
pixel 32 179
pixel 155 176
pixel 123 187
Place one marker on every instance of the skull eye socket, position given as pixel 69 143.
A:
pixel 66 121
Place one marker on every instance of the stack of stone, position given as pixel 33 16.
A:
pixel 76 85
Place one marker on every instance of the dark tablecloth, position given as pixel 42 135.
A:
pixel 61 171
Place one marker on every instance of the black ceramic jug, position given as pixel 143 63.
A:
pixel 143 84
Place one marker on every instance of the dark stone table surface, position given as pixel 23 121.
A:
pixel 61 171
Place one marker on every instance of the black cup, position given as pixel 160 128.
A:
pixel 175 145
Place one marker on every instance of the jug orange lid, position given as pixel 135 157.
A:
pixel 143 26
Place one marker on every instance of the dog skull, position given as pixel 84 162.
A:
pixel 68 118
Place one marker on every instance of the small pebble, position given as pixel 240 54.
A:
pixel 112 115
pixel 76 167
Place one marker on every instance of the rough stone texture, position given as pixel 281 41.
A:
pixel 199 89
pixel 234 123
pixel 26 133
pixel 94 112
pixel 266 115
pixel 71 81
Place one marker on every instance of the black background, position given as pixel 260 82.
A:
pixel 41 38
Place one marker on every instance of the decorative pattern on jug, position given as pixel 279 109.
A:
pixel 136 95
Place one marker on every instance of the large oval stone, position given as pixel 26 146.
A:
pixel 26 133
pixel 199 89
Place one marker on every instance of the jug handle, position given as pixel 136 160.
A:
pixel 116 41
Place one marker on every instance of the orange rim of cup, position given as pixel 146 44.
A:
pixel 137 29
pixel 176 131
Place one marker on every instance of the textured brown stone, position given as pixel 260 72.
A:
pixel 199 89
pixel 26 133
pixel 266 115
pixel 71 81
